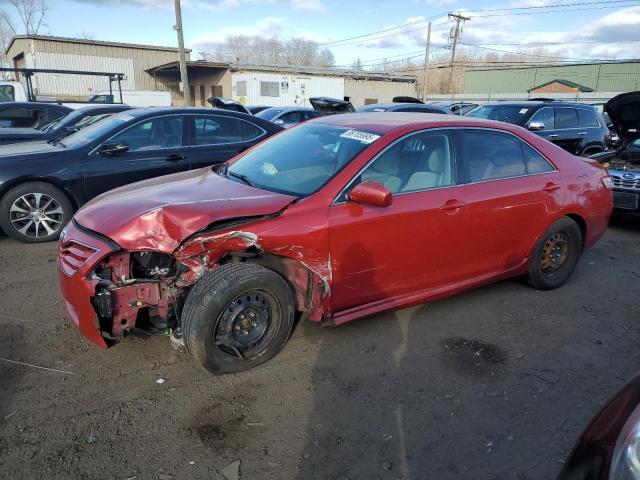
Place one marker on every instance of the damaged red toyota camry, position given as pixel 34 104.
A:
pixel 338 218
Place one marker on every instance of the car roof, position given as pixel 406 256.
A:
pixel 373 106
pixel 56 106
pixel 291 109
pixel 384 122
pixel 141 112
pixel 541 103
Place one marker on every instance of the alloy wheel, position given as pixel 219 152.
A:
pixel 36 215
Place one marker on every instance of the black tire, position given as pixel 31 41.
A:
pixel 45 224
pixel 551 264
pixel 213 312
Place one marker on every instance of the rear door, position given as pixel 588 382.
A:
pixel 419 243
pixel 217 138
pixel 592 134
pixel 511 189
pixel 155 148
pixel 567 132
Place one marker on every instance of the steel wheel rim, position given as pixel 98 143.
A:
pixel 554 253
pixel 246 324
pixel 36 215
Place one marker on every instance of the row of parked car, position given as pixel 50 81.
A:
pixel 173 140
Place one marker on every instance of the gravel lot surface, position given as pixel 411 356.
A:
pixel 496 383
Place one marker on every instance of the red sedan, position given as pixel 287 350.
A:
pixel 336 219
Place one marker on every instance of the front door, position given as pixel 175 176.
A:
pixel 155 148
pixel 417 243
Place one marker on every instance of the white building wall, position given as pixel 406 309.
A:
pixel 78 85
pixel 292 89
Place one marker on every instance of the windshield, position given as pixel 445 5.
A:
pixel 96 130
pixel 301 160
pixel 269 113
pixel 515 114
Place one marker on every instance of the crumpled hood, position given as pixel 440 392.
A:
pixel 624 112
pixel 161 212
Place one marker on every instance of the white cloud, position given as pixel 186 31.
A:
pixel 435 3
pixel 266 27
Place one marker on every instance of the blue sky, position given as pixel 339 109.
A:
pixel 207 22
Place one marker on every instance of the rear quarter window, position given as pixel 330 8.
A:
pixel 587 119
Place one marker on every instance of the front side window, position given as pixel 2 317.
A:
pixel 291 117
pixel 269 89
pixel 212 130
pixel 157 133
pixel 301 160
pixel 546 117
pixel 419 162
pixel 490 155
pixel 587 119
pixel 566 118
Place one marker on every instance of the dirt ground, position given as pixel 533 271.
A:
pixel 496 383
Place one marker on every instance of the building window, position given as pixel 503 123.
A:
pixel 370 101
pixel 269 89
pixel 241 88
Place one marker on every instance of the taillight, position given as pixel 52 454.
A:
pixel 607 182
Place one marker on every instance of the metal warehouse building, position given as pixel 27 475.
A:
pixel 150 67
pixel 86 55
pixel 592 80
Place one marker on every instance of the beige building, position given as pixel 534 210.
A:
pixel 57 53
pixel 148 67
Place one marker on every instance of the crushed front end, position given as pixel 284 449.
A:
pixel 109 292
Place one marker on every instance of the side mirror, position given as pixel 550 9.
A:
pixel 536 126
pixel 114 148
pixel 371 193
pixel 279 121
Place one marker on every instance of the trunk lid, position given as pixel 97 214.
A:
pixel 331 106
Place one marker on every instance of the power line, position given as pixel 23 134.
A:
pixel 528 54
pixel 558 5
pixel 554 11
pixel 542 44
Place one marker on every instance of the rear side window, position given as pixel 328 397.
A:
pixel 490 155
pixel 566 118
pixel 535 162
pixel 587 118
pixel 20 117
pixel 291 117
pixel 213 130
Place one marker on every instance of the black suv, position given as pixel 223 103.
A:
pixel 576 127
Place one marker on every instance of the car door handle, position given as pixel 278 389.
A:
pixel 175 157
pixel 582 133
pixel 551 187
pixel 451 205
pixel 553 135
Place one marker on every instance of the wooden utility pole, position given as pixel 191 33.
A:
pixel 456 36
pixel 426 63
pixel 184 79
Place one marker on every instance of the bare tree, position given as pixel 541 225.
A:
pixel 271 51
pixel 32 15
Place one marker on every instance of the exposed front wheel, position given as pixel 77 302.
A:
pixel 34 212
pixel 555 256
pixel 237 316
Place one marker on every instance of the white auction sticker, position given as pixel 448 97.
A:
pixel 523 111
pixel 364 137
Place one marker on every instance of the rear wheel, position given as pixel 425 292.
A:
pixel 236 317
pixel 555 256
pixel 34 212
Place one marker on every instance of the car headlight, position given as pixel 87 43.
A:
pixel 625 462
